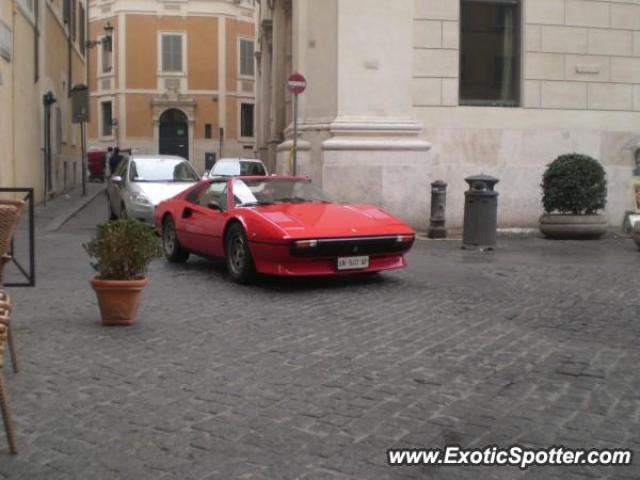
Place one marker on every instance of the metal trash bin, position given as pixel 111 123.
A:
pixel 480 212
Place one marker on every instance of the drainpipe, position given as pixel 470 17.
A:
pixel 70 49
pixel 14 12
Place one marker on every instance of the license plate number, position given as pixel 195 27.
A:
pixel 352 263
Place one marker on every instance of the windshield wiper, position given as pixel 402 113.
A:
pixel 256 204
pixel 300 200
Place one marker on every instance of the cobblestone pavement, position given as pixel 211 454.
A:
pixel 536 343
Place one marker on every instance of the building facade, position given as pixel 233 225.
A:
pixel 41 51
pixel 403 93
pixel 176 78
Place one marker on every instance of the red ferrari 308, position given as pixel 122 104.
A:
pixel 279 226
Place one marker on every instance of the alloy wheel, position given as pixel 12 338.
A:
pixel 238 254
pixel 169 238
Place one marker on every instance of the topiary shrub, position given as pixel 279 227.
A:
pixel 574 184
pixel 123 249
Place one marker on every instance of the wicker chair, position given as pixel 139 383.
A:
pixel 9 214
pixel 4 399
pixel 5 319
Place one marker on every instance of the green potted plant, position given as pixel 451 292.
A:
pixel 121 252
pixel 574 188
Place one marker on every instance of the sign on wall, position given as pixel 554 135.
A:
pixel 79 104
pixel 6 46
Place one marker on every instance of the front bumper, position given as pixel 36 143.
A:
pixel 273 259
pixel 143 213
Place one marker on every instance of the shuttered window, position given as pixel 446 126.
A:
pixel 107 119
pixel 172 53
pixel 246 120
pixel 246 58
pixel 106 48
pixel 82 20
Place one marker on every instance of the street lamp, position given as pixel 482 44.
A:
pixel 108 32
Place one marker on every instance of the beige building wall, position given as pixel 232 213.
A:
pixel 7 167
pixel 38 64
pixel 20 160
pixel 381 117
pixel 66 138
pixel 580 92
pixel 209 92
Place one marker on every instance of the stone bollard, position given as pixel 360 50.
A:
pixel 438 203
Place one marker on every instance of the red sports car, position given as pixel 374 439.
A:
pixel 279 226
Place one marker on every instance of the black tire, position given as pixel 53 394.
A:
pixel 112 216
pixel 173 251
pixel 239 262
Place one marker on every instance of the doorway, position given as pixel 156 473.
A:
pixel 174 133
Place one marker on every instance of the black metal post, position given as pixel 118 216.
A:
pixel 84 160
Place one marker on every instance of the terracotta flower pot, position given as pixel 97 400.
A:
pixel 573 227
pixel 118 299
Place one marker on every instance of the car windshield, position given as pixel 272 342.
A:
pixel 244 168
pixel 161 170
pixel 266 191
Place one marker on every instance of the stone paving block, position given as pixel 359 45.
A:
pixel 275 380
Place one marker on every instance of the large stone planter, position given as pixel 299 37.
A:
pixel 573 227
pixel 636 233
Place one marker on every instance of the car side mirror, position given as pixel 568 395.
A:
pixel 116 179
pixel 214 206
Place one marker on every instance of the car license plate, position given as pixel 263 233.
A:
pixel 352 263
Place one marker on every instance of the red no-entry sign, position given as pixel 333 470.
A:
pixel 296 83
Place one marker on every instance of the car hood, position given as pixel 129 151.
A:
pixel 159 191
pixel 307 220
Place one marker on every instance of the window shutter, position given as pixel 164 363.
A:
pixel 172 53
pixel 82 20
pixel 177 52
pixel 246 57
pixel 66 10
pixel 58 130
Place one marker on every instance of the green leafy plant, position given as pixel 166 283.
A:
pixel 123 249
pixel 574 184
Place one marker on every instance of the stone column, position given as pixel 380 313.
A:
pixel 277 117
pixel 356 115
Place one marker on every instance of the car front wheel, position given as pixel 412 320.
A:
pixel 238 256
pixel 173 251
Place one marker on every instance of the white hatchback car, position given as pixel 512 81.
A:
pixel 141 182
pixel 232 167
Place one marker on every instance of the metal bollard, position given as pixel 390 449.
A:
pixel 438 203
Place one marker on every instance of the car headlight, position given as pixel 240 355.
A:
pixel 304 244
pixel 405 238
pixel 142 200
